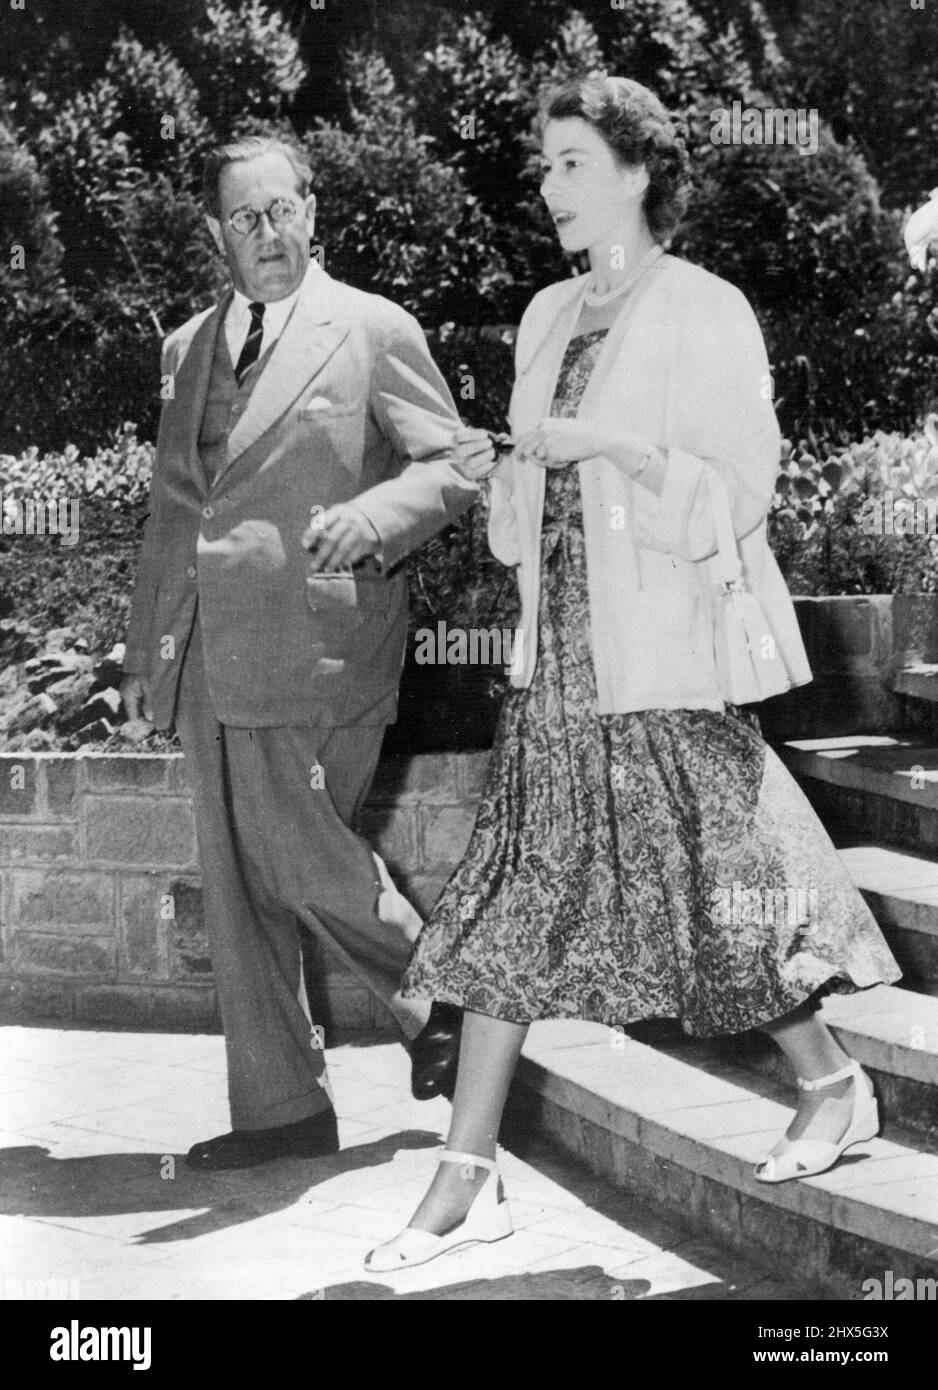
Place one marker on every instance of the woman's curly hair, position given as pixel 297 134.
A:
pixel 639 130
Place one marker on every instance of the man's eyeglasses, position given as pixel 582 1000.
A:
pixel 279 213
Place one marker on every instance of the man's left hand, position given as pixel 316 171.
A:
pixel 339 538
pixel 558 441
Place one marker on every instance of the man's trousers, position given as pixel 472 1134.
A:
pixel 274 810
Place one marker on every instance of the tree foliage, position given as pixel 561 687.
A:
pixel 417 118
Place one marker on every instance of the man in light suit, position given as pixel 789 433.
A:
pixel 304 449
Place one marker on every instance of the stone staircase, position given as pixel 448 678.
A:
pixel 682 1124
pixel 878 798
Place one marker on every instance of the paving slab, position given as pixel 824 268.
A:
pixel 94 1192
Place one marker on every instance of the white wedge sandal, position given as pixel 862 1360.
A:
pixel 806 1157
pixel 488 1219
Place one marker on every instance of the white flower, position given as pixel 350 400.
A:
pixel 920 230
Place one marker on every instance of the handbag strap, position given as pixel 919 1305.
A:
pixel 730 564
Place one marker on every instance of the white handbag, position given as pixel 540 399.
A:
pixel 749 665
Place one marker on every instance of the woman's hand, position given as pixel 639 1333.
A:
pixel 474 456
pixel 558 441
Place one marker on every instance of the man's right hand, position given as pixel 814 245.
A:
pixel 473 454
pixel 136 695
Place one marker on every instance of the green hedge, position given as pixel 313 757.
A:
pixel 819 523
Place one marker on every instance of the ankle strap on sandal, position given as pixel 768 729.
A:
pixel 451 1156
pixel 851 1069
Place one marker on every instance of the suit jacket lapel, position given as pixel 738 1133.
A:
pixel 191 387
pixel 309 338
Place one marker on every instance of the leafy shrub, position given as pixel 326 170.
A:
pixel 26 220
pixel 873 66
pixel 87 586
pixel 119 473
pixel 447 222
pixel 395 219
pixel 246 63
pixel 828 525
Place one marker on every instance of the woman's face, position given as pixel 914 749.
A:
pixel 588 193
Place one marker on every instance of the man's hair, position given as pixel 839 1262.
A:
pixel 251 147
pixel 639 130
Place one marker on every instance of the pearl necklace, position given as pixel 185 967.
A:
pixel 597 301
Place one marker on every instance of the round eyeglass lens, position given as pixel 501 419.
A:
pixel 281 211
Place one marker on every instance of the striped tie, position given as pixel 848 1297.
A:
pixel 252 343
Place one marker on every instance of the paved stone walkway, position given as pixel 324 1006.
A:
pixel 96 1202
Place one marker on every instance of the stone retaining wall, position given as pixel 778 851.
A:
pixel 100 902
pixel 856 644
pixel 852 647
pixel 100 899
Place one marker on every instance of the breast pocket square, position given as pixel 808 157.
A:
pixel 322 408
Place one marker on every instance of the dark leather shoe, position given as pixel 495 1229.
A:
pixel 434 1053
pixel 245 1148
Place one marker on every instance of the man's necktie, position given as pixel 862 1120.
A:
pixel 252 343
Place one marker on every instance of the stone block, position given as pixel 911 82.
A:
pixel 188 944
pixel 446 832
pixel 714 1207
pixel 563 1126
pixel 473 770
pixel 424 890
pixel 190 1008
pixel 63 955
pixel 784 1241
pixel 881 605
pixel 32 844
pixel 915 628
pixel 6 926
pixel 19 785
pixel 669 1184
pixel 28 1000
pixel 76 902
pixel 130 772
pixel 381 1020
pixel 422 777
pixel 850 630
pixel 146 906
pixel 181 773
pixel 140 830
pixel 392 830
pixel 126 1005
pixel 59 781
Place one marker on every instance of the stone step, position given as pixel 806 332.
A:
pixel 683 1129
pixel 871 788
pixel 919 682
pixel 901 890
pixel 893 1034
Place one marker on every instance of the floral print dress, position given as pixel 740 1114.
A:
pixel 629 866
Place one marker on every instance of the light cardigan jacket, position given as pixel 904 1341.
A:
pixel 684 368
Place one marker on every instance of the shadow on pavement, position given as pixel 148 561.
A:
pixel 34 1184
pixel 582 1283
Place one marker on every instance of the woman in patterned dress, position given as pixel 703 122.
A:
pixel 630 810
